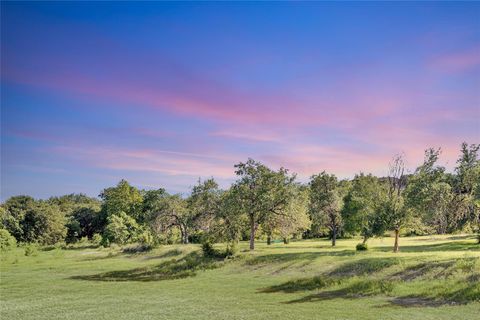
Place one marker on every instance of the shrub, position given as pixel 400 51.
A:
pixel 97 239
pixel 146 239
pixel 121 229
pixel 31 250
pixel 7 241
pixel 83 240
pixel 232 249
pixel 208 250
pixel 362 247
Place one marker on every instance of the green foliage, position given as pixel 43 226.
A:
pixel 121 229
pixel 7 241
pixel 13 213
pixel 361 247
pixel 325 203
pixel 97 239
pixel 31 250
pixel 122 198
pixel 361 206
pixel 172 212
pixel 261 193
pixel 210 252
pixel 43 223
pixel 203 205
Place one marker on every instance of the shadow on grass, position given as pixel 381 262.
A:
pixel 184 267
pixel 448 246
pixel 297 256
pixel 431 269
pixel 344 282
pixel 167 254
pixel 304 284
pixel 336 276
pixel 356 289
pixel 466 292
pixel 364 267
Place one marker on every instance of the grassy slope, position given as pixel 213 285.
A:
pixel 432 278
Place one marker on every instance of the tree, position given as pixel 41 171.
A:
pixel 172 212
pixel 429 195
pixel 395 212
pixel 467 185
pixel 231 222
pixel 15 209
pixel 121 198
pixel 7 241
pixel 325 203
pixel 295 218
pixel 83 222
pixel 121 229
pixel 261 193
pixel 43 223
pixel 82 215
pixel 361 205
pixel 203 205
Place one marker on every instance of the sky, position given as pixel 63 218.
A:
pixel 162 94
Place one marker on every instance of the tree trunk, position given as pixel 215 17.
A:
pixel 334 236
pixel 182 233
pixel 185 241
pixel 285 241
pixel 252 233
pixel 365 238
pixel 269 240
pixel 395 246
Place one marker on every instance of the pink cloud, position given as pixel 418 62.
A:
pixel 458 61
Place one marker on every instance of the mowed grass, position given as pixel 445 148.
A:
pixel 434 277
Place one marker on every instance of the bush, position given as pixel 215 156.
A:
pixel 31 250
pixel 121 229
pixel 97 239
pixel 146 239
pixel 208 250
pixel 7 241
pixel 232 249
pixel 83 241
pixel 137 248
pixel 362 247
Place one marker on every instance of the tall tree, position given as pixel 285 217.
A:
pixel 15 210
pixel 325 203
pixel 261 193
pixel 172 212
pixel 295 218
pixel 395 212
pixel 203 204
pixel 43 223
pixel 467 184
pixel 428 193
pixel 361 205
pixel 121 198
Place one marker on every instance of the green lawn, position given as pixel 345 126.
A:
pixel 431 278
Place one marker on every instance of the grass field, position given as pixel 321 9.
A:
pixel 435 277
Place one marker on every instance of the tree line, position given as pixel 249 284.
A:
pixel 262 203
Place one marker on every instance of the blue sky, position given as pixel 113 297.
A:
pixel 164 93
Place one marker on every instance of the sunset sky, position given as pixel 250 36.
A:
pixel 164 93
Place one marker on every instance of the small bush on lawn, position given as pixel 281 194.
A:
pixel 97 239
pixel 362 247
pixel 7 241
pixel 232 249
pixel 31 250
pixel 210 252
